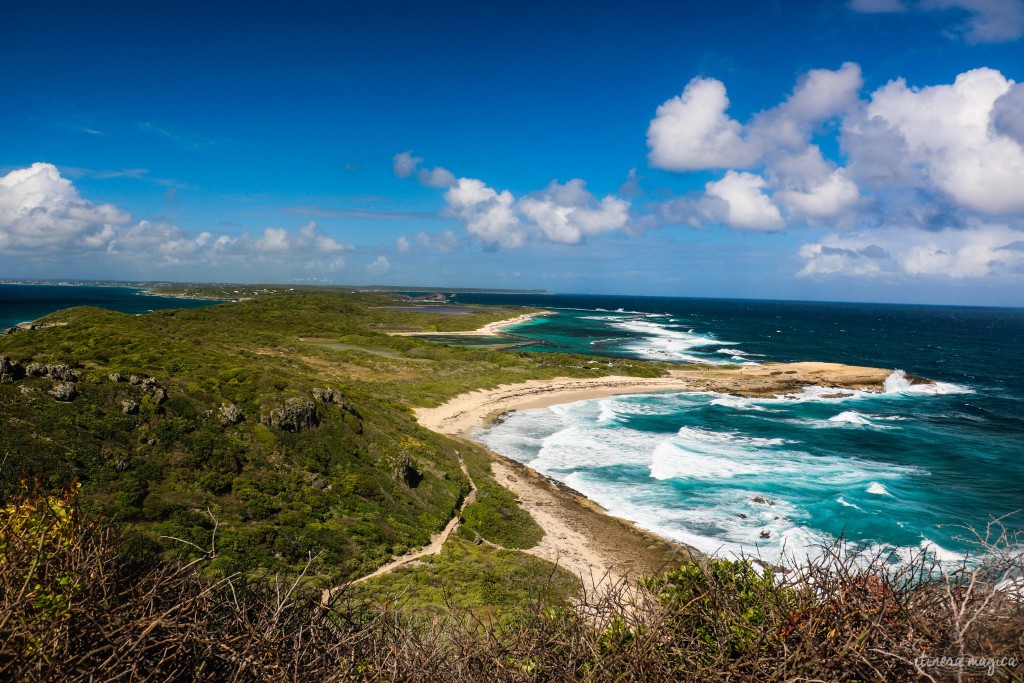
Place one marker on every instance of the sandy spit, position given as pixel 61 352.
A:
pixel 489 330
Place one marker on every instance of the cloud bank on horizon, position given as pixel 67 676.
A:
pixel 43 215
pixel 900 182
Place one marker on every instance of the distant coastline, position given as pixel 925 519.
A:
pixel 24 302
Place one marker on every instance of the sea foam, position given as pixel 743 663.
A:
pixel 850 417
pixel 663 343
pixel 899 383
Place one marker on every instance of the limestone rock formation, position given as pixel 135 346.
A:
pixel 295 415
pixel 329 395
pixel 230 414
pixel 35 370
pixel 405 472
pixel 151 386
pixel 63 391
pixel 60 372
pixel 63 373
pixel 324 394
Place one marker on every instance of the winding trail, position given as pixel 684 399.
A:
pixel 437 542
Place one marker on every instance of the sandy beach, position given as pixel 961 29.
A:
pixel 489 330
pixel 578 535
pixel 467 411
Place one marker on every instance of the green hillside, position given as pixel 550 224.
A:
pixel 285 419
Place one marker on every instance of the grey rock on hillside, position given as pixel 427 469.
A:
pixel 63 391
pixel 295 415
pixel 10 369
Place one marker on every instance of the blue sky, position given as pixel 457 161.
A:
pixel 868 150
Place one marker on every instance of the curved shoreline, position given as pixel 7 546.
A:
pixel 579 535
pixel 465 412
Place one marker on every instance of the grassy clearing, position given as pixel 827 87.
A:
pixel 495 516
pixel 494 585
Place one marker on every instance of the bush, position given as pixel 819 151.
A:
pixel 73 607
pixel 722 605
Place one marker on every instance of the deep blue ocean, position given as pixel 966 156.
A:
pixel 26 302
pixel 907 469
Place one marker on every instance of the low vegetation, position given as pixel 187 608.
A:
pixel 74 606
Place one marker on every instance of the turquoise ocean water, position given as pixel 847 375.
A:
pixel 906 469
pixel 26 302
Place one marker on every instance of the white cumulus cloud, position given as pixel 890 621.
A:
pixel 405 165
pixel 487 214
pixel 1008 114
pixel 40 209
pixel 932 157
pixel 820 95
pixel 946 136
pixel 743 202
pixel 827 199
pixel 379 265
pixel 693 131
pixel 568 213
pixel 564 213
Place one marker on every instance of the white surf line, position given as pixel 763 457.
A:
pixel 437 541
